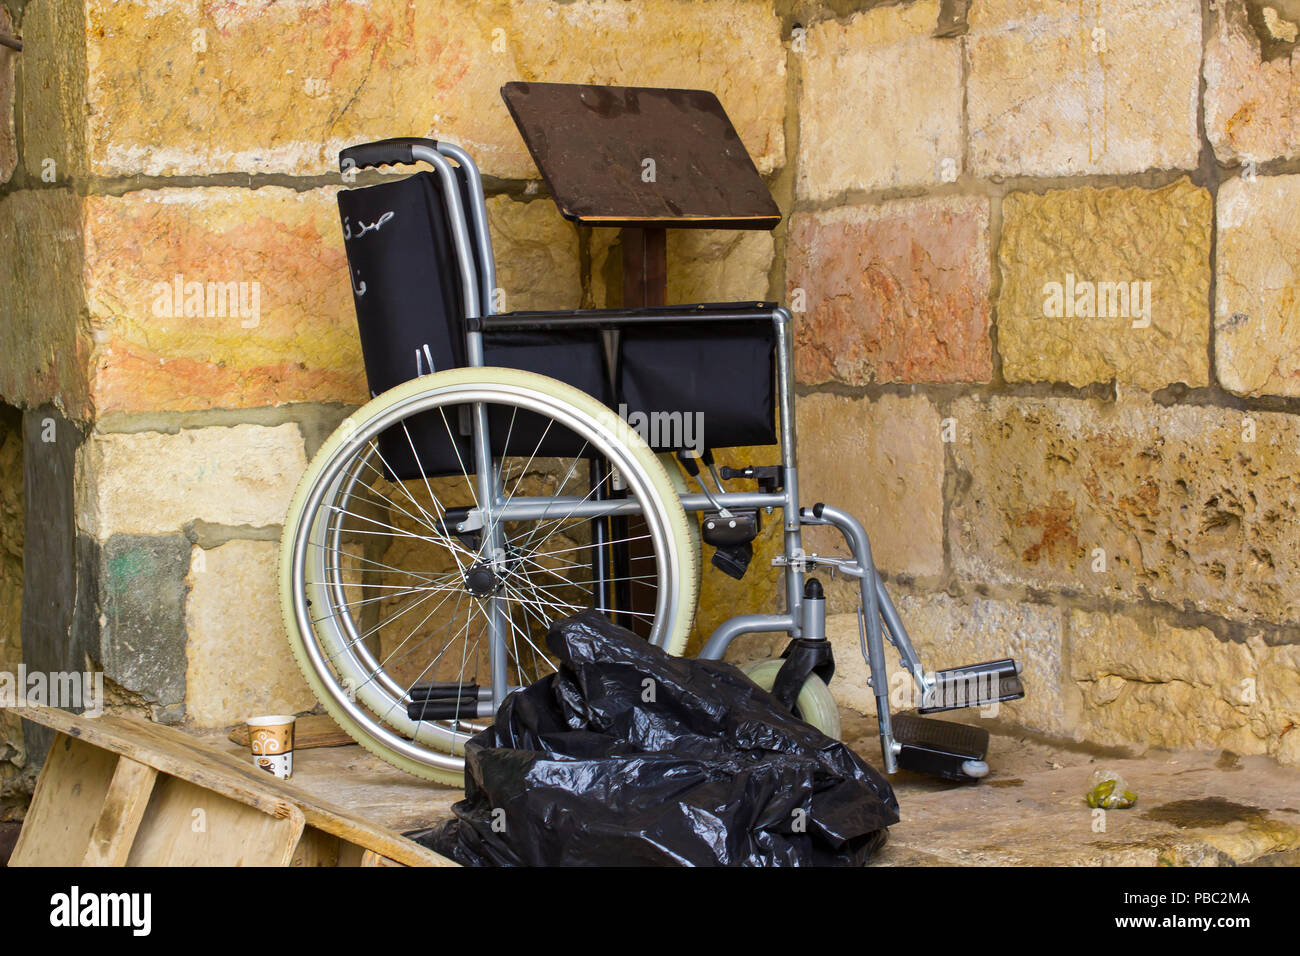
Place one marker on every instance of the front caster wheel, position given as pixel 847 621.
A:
pixel 815 704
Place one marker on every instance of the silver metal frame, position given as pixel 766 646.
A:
pixel 470 233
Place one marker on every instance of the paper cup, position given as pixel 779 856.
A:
pixel 271 740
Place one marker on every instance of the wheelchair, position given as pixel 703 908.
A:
pixel 501 477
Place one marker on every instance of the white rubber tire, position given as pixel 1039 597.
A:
pixel 678 528
pixel 815 703
pixel 674 471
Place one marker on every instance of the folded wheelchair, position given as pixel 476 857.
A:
pixel 515 468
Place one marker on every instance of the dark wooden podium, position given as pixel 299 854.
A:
pixel 643 160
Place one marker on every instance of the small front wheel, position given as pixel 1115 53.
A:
pixel 815 704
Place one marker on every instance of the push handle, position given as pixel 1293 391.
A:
pixel 385 152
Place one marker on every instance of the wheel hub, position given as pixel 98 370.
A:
pixel 482 581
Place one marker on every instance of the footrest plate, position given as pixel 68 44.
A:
pixel 940 748
pixel 975 685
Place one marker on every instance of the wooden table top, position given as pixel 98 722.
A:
pixel 640 157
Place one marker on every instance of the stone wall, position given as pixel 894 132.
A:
pixel 153 141
pixel 1097 477
pixel 1112 502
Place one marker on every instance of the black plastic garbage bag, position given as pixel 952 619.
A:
pixel 630 757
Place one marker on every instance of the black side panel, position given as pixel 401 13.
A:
pixel 724 373
pixel 574 357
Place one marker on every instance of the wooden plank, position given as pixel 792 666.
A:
pixel 317 730
pixel 316 848
pixel 645 267
pixel 350 854
pixel 68 801
pixel 371 858
pixel 124 807
pixel 170 751
pixel 189 825
pixel 175 753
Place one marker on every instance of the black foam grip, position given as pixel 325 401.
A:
pixel 385 152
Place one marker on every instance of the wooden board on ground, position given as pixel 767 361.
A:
pixel 119 820
pixel 187 825
pixel 316 730
pixel 120 790
pixel 69 797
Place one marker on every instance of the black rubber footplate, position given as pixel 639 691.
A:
pixel 939 748
pixel 975 685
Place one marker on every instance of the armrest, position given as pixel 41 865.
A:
pixel 622 318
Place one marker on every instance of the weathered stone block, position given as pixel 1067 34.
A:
pixel 1252 102
pixel 54 89
pixel 732 48
pixel 12 535
pixel 1102 284
pixel 142 615
pixel 883 462
pixel 704 265
pixel 707 265
pixel 261 313
pixel 536 253
pixel 238 662
pixel 880 105
pixel 1257 307
pixel 1061 89
pixel 8 61
pixel 155 483
pixel 43 350
pixel 1189 505
pixel 892 293
pixel 951 632
pixel 219 298
pixel 1147 682
pixel 178 89
pixel 61 600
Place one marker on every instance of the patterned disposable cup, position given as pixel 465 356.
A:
pixel 271 740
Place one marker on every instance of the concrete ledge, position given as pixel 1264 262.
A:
pixel 1195 808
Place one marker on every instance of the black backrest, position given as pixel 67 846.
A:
pixel 405 279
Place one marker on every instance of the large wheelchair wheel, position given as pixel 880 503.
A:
pixel 393 585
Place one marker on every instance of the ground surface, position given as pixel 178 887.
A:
pixel 1193 808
